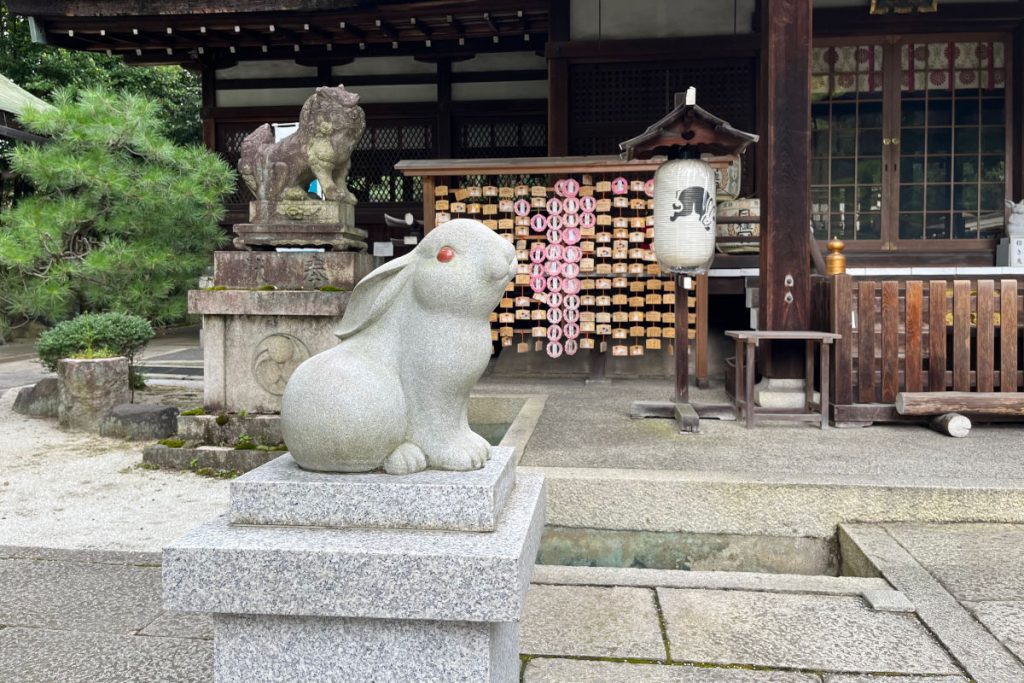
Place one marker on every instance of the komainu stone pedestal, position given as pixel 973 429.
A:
pixel 354 589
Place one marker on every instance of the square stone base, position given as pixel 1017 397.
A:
pixel 278 648
pixel 1010 252
pixel 254 340
pixel 283 494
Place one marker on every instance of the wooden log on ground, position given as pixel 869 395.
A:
pixel 939 402
pixel 951 424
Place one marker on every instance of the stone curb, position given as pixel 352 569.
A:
pixel 868 588
pixel 214 457
pixel 982 656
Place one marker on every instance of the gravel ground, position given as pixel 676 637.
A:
pixel 76 490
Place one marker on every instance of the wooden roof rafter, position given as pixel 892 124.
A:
pixel 452 25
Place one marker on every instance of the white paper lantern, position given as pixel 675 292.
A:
pixel 684 216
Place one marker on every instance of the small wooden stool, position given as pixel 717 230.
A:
pixel 746 344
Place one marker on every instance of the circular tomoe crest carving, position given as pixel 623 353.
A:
pixel 274 360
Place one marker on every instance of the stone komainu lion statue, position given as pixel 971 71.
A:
pixel 330 125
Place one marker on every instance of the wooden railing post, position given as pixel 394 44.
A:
pixel 841 322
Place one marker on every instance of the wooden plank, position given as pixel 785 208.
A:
pixel 974 402
pixel 682 346
pixel 866 342
pixel 913 324
pixel 842 323
pixel 783 176
pixel 1008 335
pixel 701 361
pixel 428 204
pixel 890 341
pixel 961 336
pixel 985 360
pixel 937 335
pixel 526 165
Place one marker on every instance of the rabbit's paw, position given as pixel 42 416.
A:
pixel 405 459
pixel 466 451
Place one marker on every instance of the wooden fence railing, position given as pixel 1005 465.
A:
pixel 936 335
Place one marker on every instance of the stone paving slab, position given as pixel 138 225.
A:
pixel 974 562
pixel 1005 620
pixel 863 678
pixel 819 633
pixel 982 656
pixel 180 625
pixel 94 597
pixel 579 671
pixel 591 622
pixel 44 656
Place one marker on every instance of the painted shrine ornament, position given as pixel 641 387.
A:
pixel 539 222
pixel 571 286
pixel 588 204
pixel 571 347
pixel 649 188
pixel 571 205
pixel 554 349
pixel 555 222
pixel 554 236
pixel 538 284
pixel 571 235
pixel 554 206
pixel 570 187
pixel 560 187
pixel 588 220
pixel 620 186
pixel 570 220
pixel 521 207
pixel 684 216
pixel 573 254
pixel 538 253
pixel 554 299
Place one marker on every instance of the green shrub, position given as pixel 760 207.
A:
pixel 245 443
pixel 171 443
pixel 119 333
pixel 193 411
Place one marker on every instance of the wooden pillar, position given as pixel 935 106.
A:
pixel 558 81
pixel 444 109
pixel 784 178
pixel 208 86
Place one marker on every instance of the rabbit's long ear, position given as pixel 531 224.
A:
pixel 374 294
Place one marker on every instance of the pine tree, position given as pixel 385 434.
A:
pixel 121 219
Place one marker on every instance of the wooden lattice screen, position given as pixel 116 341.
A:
pixel 609 103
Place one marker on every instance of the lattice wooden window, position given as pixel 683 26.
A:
pixel 482 138
pixel 373 178
pixel 609 103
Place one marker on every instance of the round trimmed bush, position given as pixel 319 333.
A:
pixel 121 333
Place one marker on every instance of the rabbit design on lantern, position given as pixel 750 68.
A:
pixel 415 338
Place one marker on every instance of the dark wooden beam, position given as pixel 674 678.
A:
pixel 444 110
pixel 387 29
pixel 421 26
pixel 558 81
pixel 784 178
pixel 208 89
pixel 746 45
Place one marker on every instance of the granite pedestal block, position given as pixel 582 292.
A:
pixel 291 270
pixel 282 493
pixel 347 602
pixel 272 235
pixel 254 340
pixel 284 211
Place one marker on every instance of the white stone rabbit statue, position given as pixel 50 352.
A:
pixel 1015 226
pixel 415 338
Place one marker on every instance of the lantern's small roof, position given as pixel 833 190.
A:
pixel 688 125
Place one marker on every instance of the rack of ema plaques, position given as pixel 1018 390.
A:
pixel 588 280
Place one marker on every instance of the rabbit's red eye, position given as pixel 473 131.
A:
pixel 445 254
